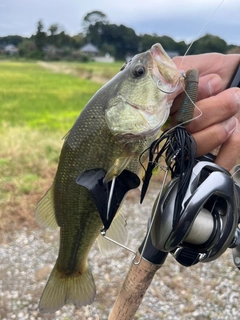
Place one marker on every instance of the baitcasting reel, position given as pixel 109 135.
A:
pixel 208 222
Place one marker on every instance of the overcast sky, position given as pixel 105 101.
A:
pixel 179 19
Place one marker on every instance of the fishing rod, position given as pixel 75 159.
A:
pixel 198 228
pixel 149 259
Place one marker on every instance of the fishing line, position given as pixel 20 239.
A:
pixel 203 27
pixel 181 72
pixel 194 118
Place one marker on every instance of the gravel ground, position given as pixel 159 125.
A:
pixel 205 291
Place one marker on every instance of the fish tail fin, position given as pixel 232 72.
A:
pixel 76 289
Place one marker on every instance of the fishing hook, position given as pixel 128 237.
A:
pixel 182 75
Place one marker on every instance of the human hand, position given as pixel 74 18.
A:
pixel 219 124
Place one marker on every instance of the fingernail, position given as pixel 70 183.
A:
pixel 214 85
pixel 237 94
pixel 230 125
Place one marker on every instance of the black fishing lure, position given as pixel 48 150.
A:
pixel 179 151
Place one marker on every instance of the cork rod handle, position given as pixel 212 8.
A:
pixel 136 283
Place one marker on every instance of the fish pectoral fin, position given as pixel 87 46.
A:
pixel 117 231
pixel 76 289
pixel 45 212
pixel 119 165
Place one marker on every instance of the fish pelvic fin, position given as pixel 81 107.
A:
pixel 45 212
pixel 119 165
pixel 78 290
pixel 117 231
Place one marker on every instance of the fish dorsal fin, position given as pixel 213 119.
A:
pixel 45 213
pixel 117 232
pixel 118 166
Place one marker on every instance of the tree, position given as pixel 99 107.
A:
pixel 209 43
pixel 27 48
pixel 16 40
pixel 77 41
pixel 129 42
pixel 233 49
pixel 181 48
pixel 92 18
pixel 40 37
pixel 53 29
pixel 146 41
pixel 63 40
pixel 123 39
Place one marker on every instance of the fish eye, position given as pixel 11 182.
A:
pixel 139 70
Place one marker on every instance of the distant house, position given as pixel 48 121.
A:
pixel 49 49
pixel 106 58
pixel 92 51
pixel 11 49
pixel 89 49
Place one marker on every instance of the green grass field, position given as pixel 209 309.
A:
pixel 40 99
pixel 38 106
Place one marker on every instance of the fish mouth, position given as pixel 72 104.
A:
pixel 164 72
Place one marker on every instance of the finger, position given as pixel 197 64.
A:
pixel 215 109
pixel 229 152
pixel 214 136
pixel 223 65
pixel 208 86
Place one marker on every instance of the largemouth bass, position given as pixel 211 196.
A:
pixel 115 127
